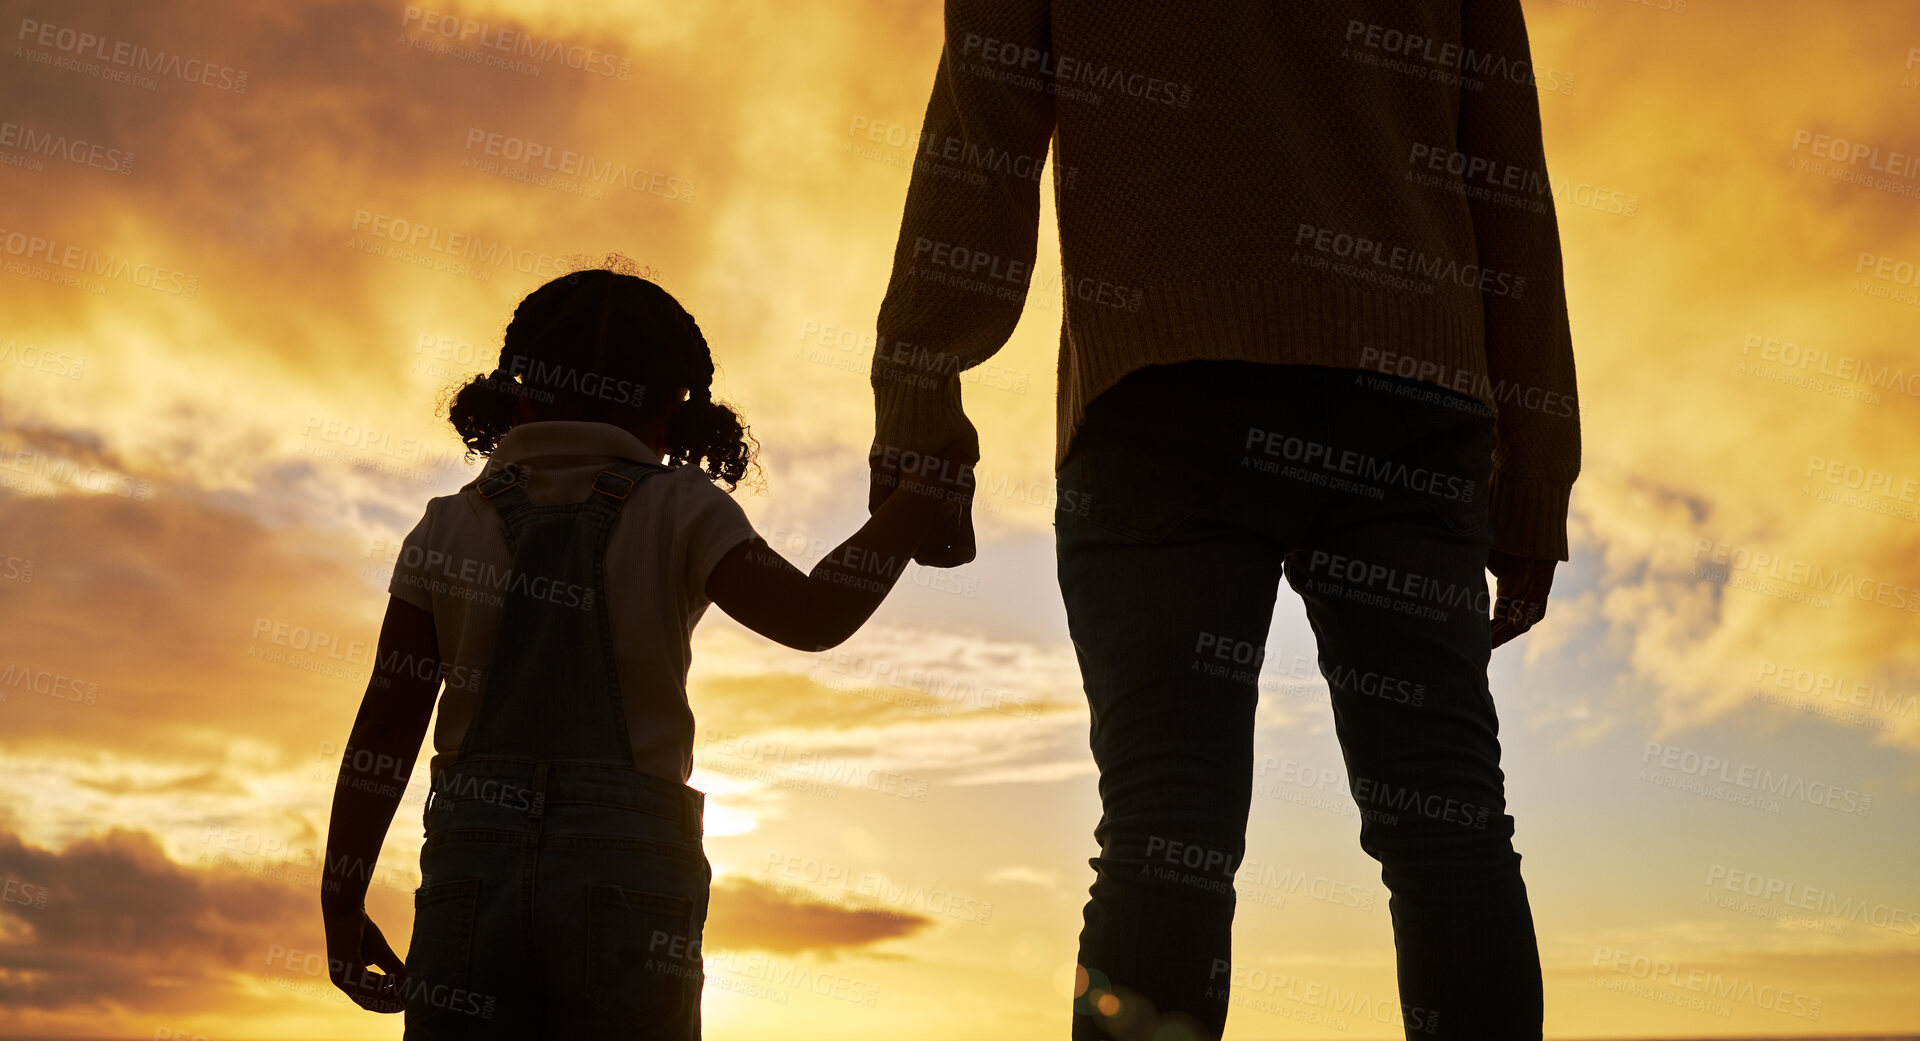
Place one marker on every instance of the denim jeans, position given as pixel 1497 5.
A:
pixel 565 902
pixel 1197 487
pixel 563 892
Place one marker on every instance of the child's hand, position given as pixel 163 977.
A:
pixel 353 944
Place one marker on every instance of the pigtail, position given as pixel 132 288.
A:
pixel 709 434
pixel 482 410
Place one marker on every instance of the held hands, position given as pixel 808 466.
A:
pixel 943 480
pixel 353 944
pixel 1520 593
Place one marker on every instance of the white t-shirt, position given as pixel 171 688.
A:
pixel 671 532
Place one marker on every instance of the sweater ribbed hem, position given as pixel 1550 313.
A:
pixel 1278 323
pixel 1301 323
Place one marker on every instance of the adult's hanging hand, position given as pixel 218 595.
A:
pixel 951 471
pixel 1520 593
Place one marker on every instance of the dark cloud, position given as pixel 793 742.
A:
pixel 753 914
pixel 111 921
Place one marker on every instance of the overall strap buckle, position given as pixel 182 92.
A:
pixel 618 481
pixel 508 476
pixel 614 485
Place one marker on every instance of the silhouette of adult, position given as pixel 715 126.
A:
pixel 1309 254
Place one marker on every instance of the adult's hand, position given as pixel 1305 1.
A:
pixel 950 471
pixel 1520 593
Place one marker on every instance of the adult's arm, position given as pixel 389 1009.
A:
pixel 971 219
pixel 1529 344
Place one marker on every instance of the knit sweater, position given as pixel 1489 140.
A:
pixel 1342 183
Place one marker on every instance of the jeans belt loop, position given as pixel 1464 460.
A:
pixel 538 810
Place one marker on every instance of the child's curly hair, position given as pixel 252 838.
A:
pixel 609 346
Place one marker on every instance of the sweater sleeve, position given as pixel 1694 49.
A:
pixel 1529 346
pixel 965 255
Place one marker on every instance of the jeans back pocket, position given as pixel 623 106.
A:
pixel 1142 496
pixel 1443 458
pixel 1458 491
pixel 440 953
pixel 643 955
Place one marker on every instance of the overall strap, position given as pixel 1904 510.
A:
pixel 506 489
pixel 551 692
pixel 612 485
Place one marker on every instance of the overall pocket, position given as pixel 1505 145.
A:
pixel 643 954
pixel 442 945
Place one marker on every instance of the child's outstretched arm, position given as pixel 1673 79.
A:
pixel 761 590
pixel 373 776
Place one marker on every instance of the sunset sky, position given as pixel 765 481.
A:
pixel 230 314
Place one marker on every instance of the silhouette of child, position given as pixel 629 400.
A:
pixel 564 885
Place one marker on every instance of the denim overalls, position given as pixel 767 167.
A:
pixel 563 892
